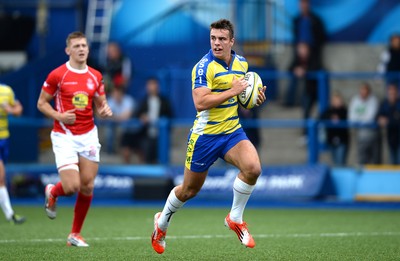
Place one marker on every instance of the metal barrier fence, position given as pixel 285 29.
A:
pixel 166 125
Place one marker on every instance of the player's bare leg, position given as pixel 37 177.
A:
pixel 68 185
pixel 5 203
pixel 245 157
pixel 192 183
pixel 88 172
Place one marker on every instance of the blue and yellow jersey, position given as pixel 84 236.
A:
pixel 213 73
pixel 6 97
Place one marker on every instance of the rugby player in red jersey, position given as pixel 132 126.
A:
pixel 78 92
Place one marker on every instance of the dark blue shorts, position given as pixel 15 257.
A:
pixel 4 149
pixel 204 150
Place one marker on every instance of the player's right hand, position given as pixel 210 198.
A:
pixel 68 117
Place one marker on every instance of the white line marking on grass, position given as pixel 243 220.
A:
pixel 342 234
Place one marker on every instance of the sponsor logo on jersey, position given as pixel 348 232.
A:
pixel 80 100
pixel 70 83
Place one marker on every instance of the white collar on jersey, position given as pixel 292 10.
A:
pixel 76 70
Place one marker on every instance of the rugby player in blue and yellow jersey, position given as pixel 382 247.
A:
pixel 8 106
pixel 216 133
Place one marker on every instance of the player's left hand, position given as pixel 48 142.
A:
pixel 104 110
pixel 261 96
pixel 6 107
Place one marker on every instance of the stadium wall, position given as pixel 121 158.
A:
pixel 277 183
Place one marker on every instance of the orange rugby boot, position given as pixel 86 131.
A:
pixel 158 236
pixel 241 231
pixel 75 239
pixel 50 204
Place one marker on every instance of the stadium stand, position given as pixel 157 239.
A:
pixel 155 44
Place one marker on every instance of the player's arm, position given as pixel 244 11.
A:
pixel 101 104
pixel 43 105
pixel 205 100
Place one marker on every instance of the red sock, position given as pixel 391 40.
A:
pixel 82 206
pixel 58 190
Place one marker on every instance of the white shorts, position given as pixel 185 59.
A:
pixel 67 148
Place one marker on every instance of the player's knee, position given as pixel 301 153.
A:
pixel 71 189
pixel 253 170
pixel 87 188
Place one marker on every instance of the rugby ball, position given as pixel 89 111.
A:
pixel 248 98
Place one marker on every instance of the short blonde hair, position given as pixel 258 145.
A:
pixel 74 35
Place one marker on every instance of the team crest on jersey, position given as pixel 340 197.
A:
pixel 80 100
pixel 90 84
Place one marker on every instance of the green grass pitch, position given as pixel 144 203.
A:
pixel 123 233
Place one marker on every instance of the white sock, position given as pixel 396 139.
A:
pixel 241 194
pixel 172 205
pixel 5 203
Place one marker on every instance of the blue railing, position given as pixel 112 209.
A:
pixel 165 125
pixel 323 78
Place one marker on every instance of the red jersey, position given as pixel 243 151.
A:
pixel 74 89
